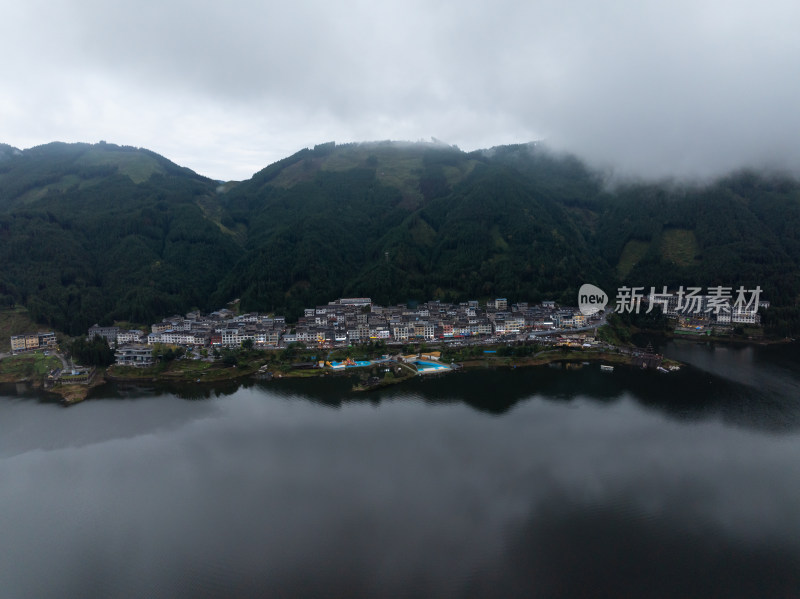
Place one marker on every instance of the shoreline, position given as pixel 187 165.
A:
pixel 673 335
pixel 73 394
pixel 214 373
pixel 76 393
pixel 556 356
pixel 727 340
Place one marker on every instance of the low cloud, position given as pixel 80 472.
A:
pixel 682 90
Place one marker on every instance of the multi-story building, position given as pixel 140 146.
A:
pixel 137 355
pixel 745 317
pixel 108 333
pixel 32 341
pixel 28 341
pixel 358 302
pixel 182 338
pixel 17 343
pixel 400 332
pixel 130 336
pixel 160 327
pixel 47 339
pixel 231 338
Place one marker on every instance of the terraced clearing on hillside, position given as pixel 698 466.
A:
pixel 679 246
pixel 633 251
pixel 81 171
pixel 139 167
pixel 394 165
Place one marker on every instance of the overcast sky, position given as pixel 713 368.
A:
pixel 685 87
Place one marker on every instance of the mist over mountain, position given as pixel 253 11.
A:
pixel 96 233
pixel 684 89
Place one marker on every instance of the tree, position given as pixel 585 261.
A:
pixel 167 353
pixel 230 358
pixel 92 353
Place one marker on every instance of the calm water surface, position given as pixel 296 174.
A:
pixel 516 483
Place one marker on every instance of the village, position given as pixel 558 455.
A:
pixel 347 322
pixel 423 330
pixel 354 321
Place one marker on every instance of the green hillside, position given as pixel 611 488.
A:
pixel 679 246
pixel 97 233
pixel 400 222
pixel 94 233
pixel 632 253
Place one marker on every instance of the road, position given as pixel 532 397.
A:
pixel 63 361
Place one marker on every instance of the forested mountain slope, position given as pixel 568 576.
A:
pixel 97 233
pixel 101 232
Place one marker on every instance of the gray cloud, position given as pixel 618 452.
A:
pixel 654 89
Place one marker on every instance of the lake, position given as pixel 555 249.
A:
pixel 536 482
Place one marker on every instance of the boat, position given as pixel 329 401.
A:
pixel 606 368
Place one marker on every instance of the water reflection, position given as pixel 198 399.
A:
pixel 39 422
pixel 567 549
pixel 136 390
pixel 527 482
pixel 742 387
pixel 753 387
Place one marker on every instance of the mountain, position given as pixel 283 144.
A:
pixel 403 222
pixel 102 232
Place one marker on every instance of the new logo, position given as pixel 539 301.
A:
pixel 591 299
